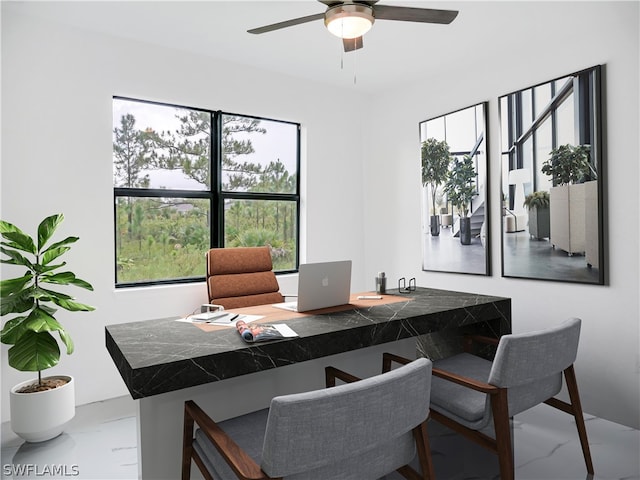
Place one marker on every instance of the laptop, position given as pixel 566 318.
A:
pixel 321 285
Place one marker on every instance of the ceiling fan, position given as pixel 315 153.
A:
pixel 351 19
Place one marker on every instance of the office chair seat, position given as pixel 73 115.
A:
pixel 469 407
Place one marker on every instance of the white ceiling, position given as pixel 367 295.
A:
pixel 394 52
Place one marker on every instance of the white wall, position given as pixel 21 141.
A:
pixel 57 86
pixel 608 365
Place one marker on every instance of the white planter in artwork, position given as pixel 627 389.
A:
pixel 567 209
pixel 574 219
pixel 40 416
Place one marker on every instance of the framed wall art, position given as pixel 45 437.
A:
pixel 552 180
pixel 455 213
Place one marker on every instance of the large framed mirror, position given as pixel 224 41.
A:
pixel 552 180
pixel 455 214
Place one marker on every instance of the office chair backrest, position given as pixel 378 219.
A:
pixel 241 277
pixel 530 364
pixel 356 430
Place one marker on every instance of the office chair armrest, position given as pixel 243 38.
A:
pixel 465 381
pixel 241 463
pixel 331 373
pixel 387 358
pixel 210 307
pixel 469 340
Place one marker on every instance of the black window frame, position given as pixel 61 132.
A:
pixel 215 194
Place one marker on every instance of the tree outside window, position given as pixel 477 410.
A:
pixel 186 180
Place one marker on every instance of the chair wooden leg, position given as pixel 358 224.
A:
pixel 187 445
pixel 500 410
pixel 424 456
pixel 427 465
pixel 424 453
pixel 576 406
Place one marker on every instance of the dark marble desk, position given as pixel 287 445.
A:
pixel 164 362
pixel 159 356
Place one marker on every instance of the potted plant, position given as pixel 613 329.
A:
pixel 39 408
pixel 435 168
pixel 538 205
pixel 569 167
pixel 460 190
pixel 569 164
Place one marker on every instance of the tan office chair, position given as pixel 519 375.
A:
pixel 241 277
pixel 364 429
pixel 472 395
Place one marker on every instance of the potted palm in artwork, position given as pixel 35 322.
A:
pixel 435 168
pixel 40 408
pixel 538 205
pixel 460 190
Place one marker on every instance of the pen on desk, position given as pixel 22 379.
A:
pixel 227 318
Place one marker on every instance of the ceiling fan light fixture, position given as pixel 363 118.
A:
pixel 349 20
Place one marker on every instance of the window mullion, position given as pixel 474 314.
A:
pixel 217 203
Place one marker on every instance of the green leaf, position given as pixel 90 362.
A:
pixel 50 310
pixel 13 330
pixel 18 303
pixel 46 295
pixel 61 278
pixel 78 282
pixel 62 243
pixel 47 228
pixel 66 278
pixel 40 269
pixel 68 343
pixel 51 254
pixel 71 305
pixel 40 321
pixel 34 352
pixel 14 285
pixel 19 241
pixel 15 258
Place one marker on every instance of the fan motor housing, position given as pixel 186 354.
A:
pixel 349 20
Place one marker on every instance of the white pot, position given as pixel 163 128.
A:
pixel 40 416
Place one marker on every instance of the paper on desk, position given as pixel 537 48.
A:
pixel 285 330
pixel 220 321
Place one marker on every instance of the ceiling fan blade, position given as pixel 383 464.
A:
pixel 333 3
pixel 286 23
pixel 351 44
pixel 409 14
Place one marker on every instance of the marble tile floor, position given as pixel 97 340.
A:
pixel 100 444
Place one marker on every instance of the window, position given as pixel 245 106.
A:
pixel 188 179
pixel 537 120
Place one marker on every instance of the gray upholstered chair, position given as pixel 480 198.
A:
pixel 360 430
pixel 476 397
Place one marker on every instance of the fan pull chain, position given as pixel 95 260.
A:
pixel 341 49
pixel 355 53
